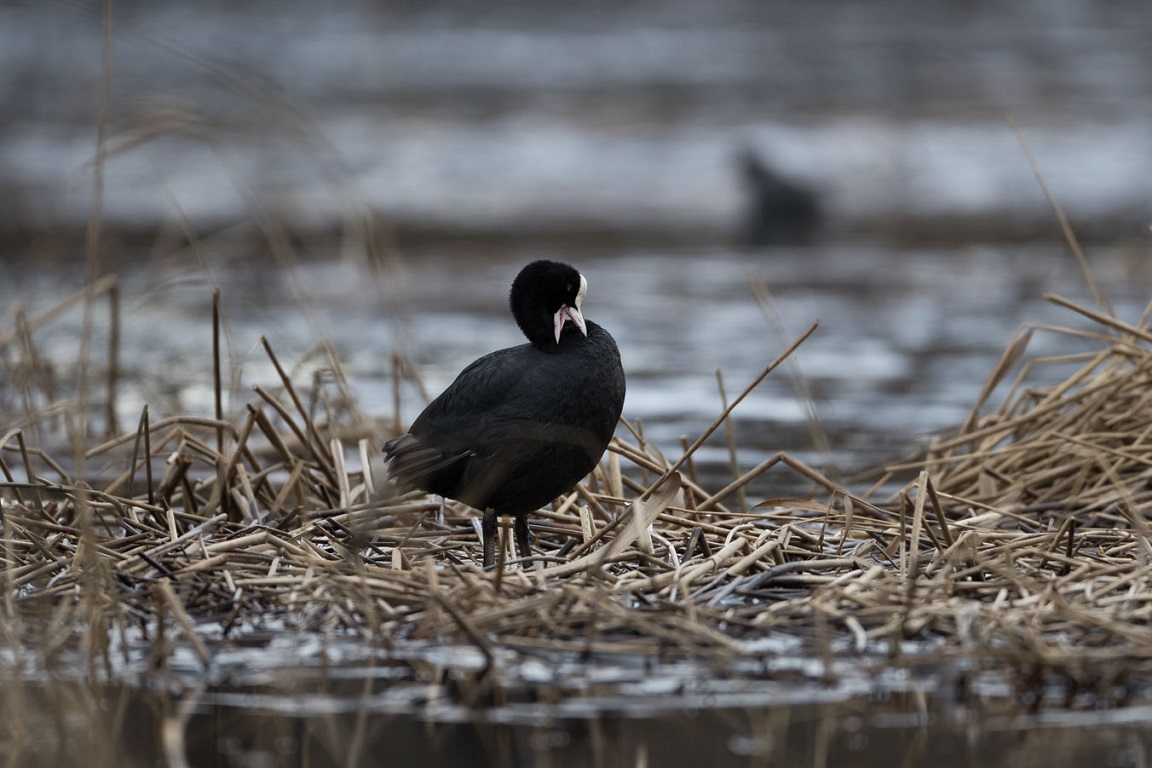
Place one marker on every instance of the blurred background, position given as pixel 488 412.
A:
pixel 852 163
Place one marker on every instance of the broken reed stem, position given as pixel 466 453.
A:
pixel 29 325
pixel 111 426
pixel 222 496
pixel 309 436
pixel 739 483
pixel 800 385
pixel 1065 226
pixel 141 427
pixel 28 467
pixel 148 454
pixel 731 407
pixel 216 371
pixel 1106 320
pixel 730 435
pixel 938 510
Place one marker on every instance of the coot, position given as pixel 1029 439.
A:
pixel 778 211
pixel 523 425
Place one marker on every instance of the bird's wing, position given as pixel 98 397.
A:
pixel 485 387
pixel 442 444
pixel 411 462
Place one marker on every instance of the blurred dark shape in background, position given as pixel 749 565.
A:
pixel 595 123
pixel 777 210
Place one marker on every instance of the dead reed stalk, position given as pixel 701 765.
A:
pixel 1022 540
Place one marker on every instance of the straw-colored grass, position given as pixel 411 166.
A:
pixel 1022 545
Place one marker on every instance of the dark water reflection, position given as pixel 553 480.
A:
pixel 341 726
pixel 854 733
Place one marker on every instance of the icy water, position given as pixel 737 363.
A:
pixel 602 134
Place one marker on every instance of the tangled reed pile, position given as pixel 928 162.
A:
pixel 1022 542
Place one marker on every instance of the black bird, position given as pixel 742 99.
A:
pixel 522 425
pixel 778 211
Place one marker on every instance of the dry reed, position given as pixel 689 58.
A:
pixel 1022 545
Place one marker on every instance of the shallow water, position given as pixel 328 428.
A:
pixel 905 338
pixel 363 715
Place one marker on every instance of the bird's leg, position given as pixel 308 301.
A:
pixel 488 528
pixel 522 545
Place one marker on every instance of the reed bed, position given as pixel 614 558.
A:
pixel 1021 545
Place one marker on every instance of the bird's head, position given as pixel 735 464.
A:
pixel 545 301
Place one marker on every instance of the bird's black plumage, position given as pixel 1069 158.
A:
pixel 520 426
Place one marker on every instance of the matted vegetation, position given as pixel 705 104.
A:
pixel 1021 544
